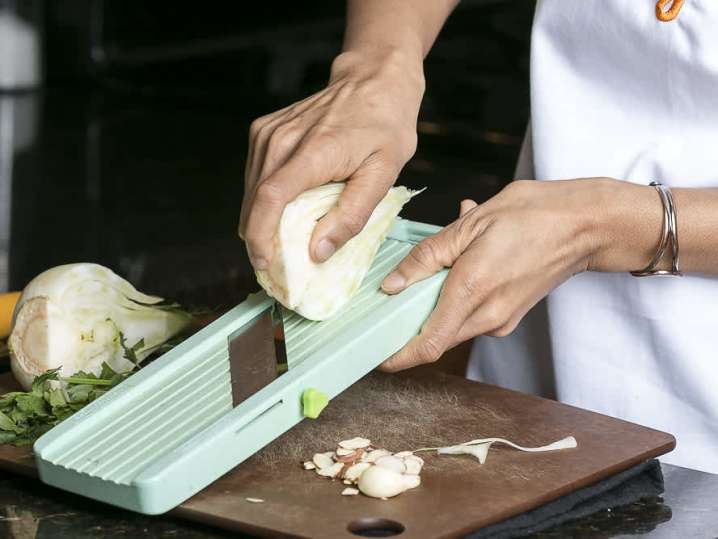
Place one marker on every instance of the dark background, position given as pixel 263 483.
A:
pixel 133 151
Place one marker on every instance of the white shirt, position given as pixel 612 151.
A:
pixel 617 93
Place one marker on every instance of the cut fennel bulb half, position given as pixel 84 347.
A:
pixel 75 316
pixel 318 291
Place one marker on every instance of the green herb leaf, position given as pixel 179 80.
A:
pixel 131 351
pixel 107 372
pixel 83 375
pixel 24 417
pixel 8 424
pixel 18 416
pixel 31 404
pixel 117 378
pixel 87 381
pixel 38 384
pixel 7 437
pixel 8 400
pixel 56 398
pixel 79 393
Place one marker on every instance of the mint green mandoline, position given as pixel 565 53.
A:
pixel 170 430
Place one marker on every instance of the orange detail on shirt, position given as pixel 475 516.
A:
pixel 670 13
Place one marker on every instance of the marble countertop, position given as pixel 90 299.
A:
pixel 30 510
pixel 686 509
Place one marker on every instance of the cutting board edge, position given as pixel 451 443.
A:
pixel 571 487
pixel 192 515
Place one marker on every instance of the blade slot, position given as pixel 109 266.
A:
pixel 254 356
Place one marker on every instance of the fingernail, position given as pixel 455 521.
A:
pixel 325 249
pixel 393 282
pixel 259 263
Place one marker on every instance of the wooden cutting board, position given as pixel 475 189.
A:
pixel 399 412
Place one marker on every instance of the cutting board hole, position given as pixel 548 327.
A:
pixel 375 527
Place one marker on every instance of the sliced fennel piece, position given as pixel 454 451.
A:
pixel 73 316
pixel 480 451
pixel 318 291
pixel 479 448
pixel 564 443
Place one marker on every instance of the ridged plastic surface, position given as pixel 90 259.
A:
pixel 303 337
pixel 119 449
pixel 170 430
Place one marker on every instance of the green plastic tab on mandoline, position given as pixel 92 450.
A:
pixel 313 402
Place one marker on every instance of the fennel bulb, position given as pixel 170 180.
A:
pixel 75 317
pixel 318 291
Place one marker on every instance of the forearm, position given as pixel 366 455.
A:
pixel 408 25
pixel 396 31
pixel 631 223
pixel 698 229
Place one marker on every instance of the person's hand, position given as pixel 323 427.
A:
pixel 361 128
pixel 507 254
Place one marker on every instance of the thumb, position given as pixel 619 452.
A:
pixel 430 256
pixel 317 161
pixel 363 192
pixel 424 260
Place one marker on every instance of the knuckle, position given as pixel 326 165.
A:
pixel 325 149
pixel 250 239
pixel 468 286
pixel 352 222
pixel 256 126
pixel 503 331
pixel 289 129
pixel 325 138
pixel 397 149
pixel 495 316
pixel 381 164
pixel 518 187
pixel 407 143
pixel 281 140
pixel 425 253
pixel 430 350
pixel 467 228
pixel 242 225
pixel 269 193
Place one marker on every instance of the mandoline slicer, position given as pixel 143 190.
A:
pixel 171 429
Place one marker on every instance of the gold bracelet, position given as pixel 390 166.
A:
pixel 669 237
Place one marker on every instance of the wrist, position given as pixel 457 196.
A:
pixel 398 65
pixel 627 228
